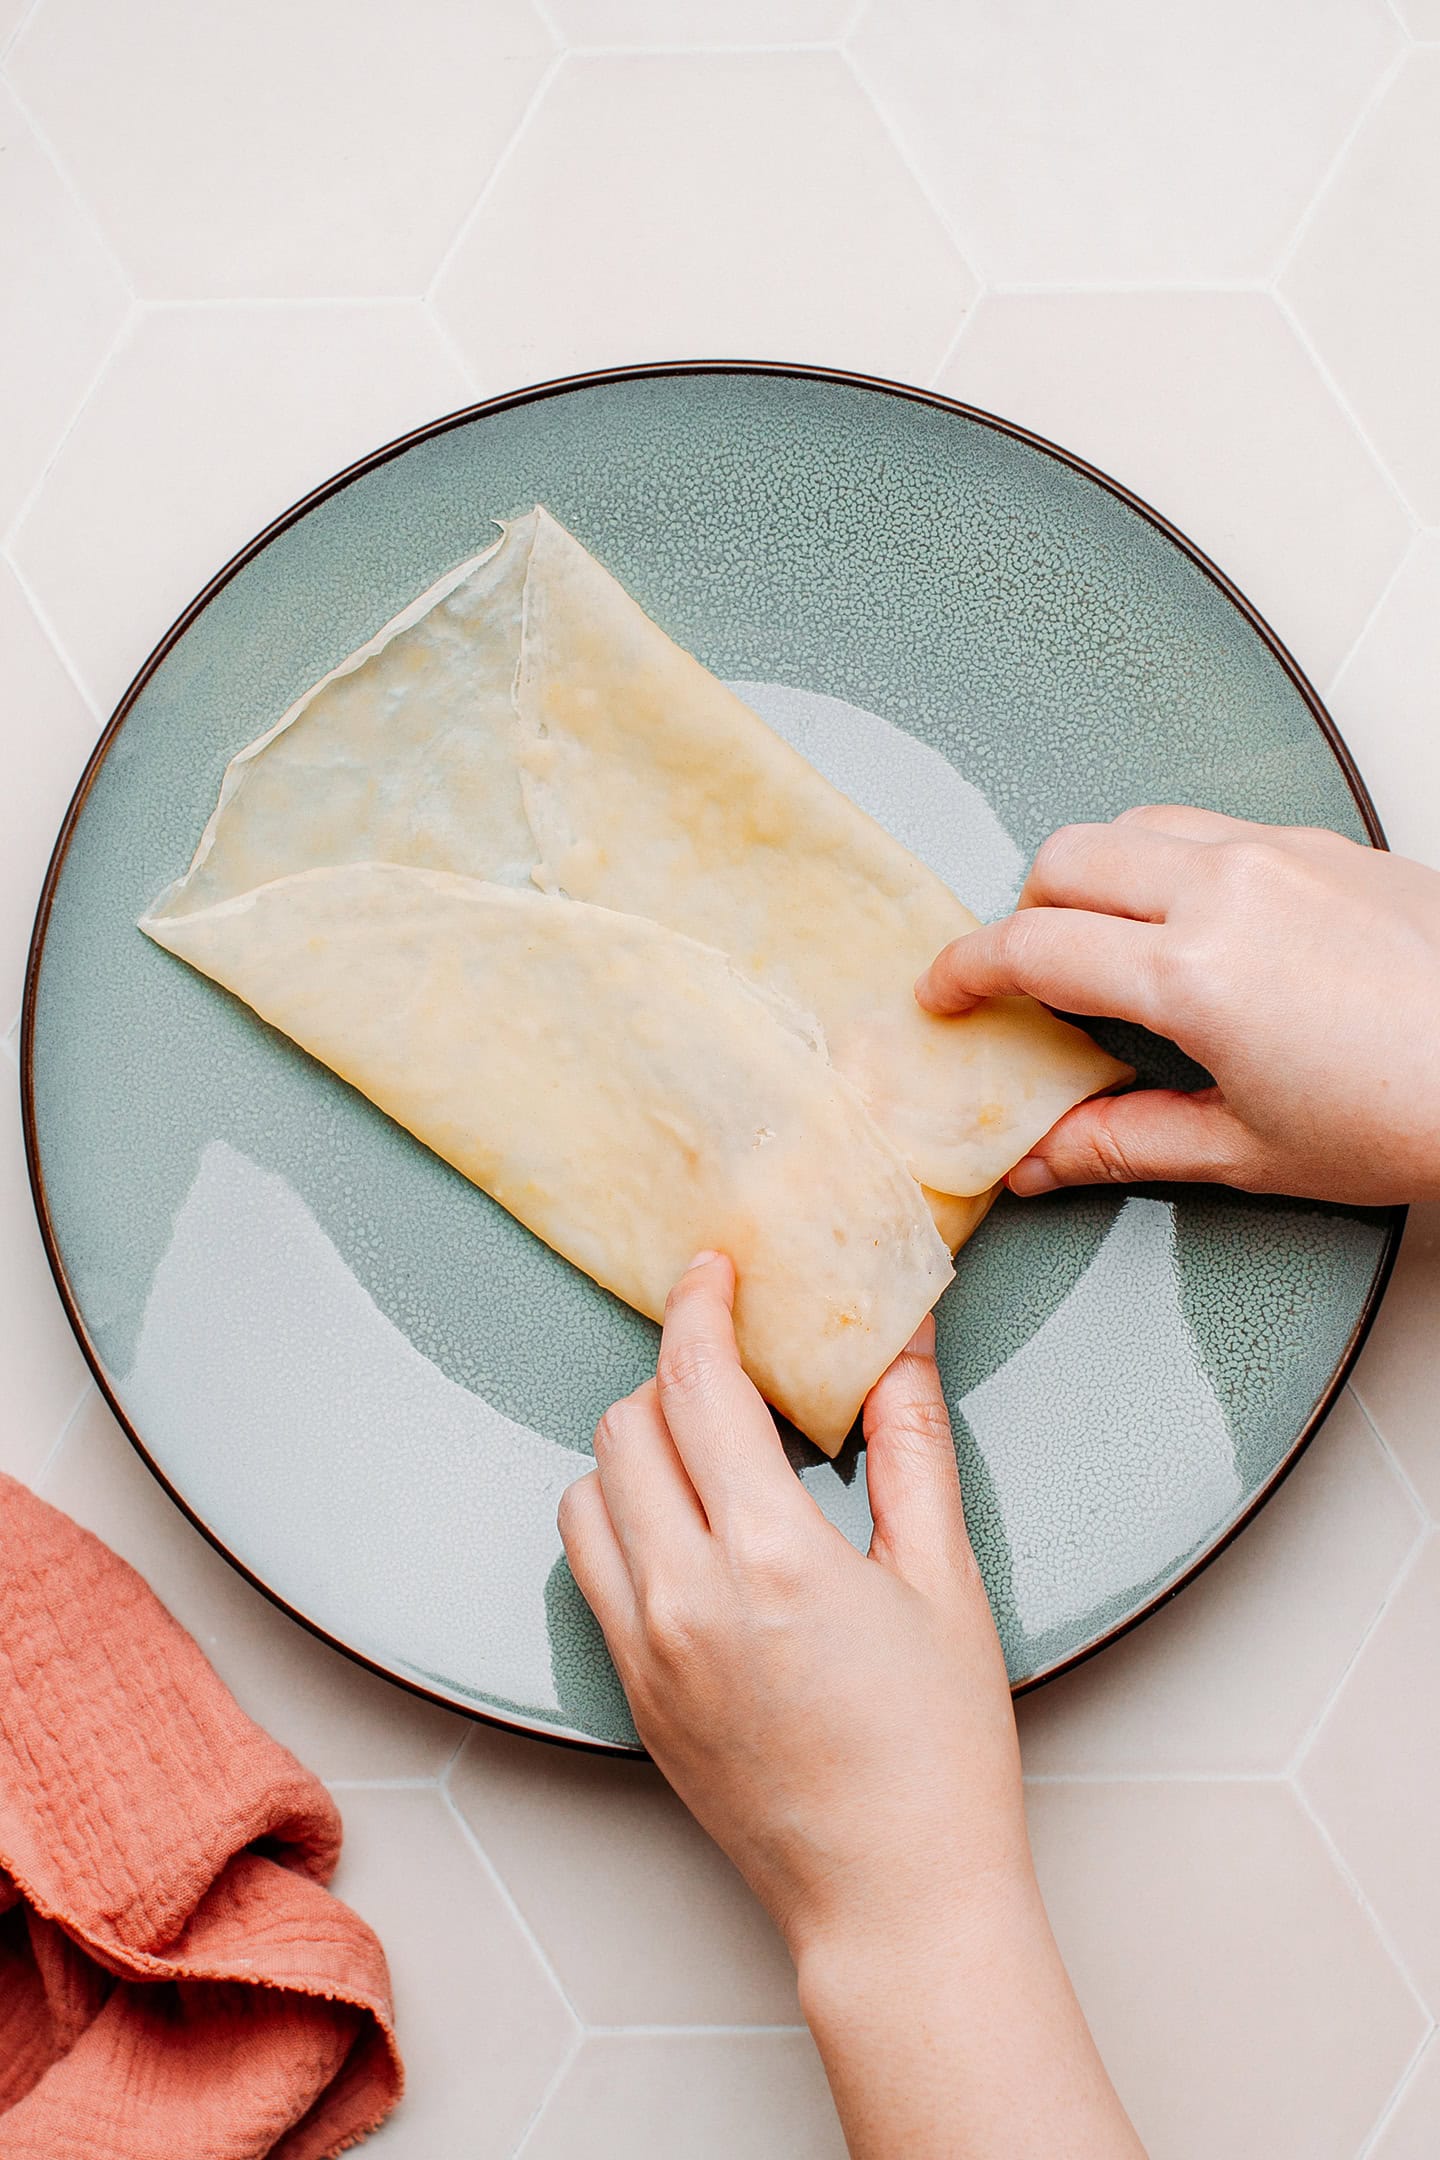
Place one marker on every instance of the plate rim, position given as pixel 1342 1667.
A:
pixel 429 431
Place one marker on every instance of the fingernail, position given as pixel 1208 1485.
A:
pixel 922 1342
pixel 702 1259
pixel 1030 1177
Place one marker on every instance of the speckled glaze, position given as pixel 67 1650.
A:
pixel 364 1379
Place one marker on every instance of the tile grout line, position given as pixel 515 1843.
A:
pixel 1333 679
pixel 27 17
pixel 689 2032
pixel 1402 1474
pixel 1155 1777
pixel 487 187
pixel 1285 261
pixel 700 51
pixel 450 342
pixel 71 186
pixel 1352 1884
pixel 557 2079
pixel 893 135
pixel 41 614
pixel 1397 1582
pixel 454 1756
pixel 1317 360
pixel 1289 255
pixel 852 27
pixel 948 356
pixel 1100 288
pixel 508 1897
pixel 1390 2107
pixel 1293 1778
pixel 383 1784
pixel 183 303
pixel 66 1424
pixel 540 9
pixel 124 330
pixel 636 2032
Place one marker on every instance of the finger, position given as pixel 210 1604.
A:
pixel 723 1433
pixel 1110 871
pixel 1066 957
pixel 1211 827
pixel 1181 821
pixel 910 1472
pixel 596 1560
pixel 648 1494
pixel 1126 1139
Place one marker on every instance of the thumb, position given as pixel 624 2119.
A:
pixel 1158 1133
pixel 910 1466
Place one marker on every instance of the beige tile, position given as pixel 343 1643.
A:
pixel 11 14
pixel 1121 140
pixel 343 1721
pixel 41 1368
pixel 1386 702
pixel 1373 1772
pixel 752 206
pixel 1233 1673
pixel 1398 1376
pixel 1422 19
pixel 644 1919
pixel 699 2097
pixel 671 23
pixel 481 2026
pixel 52 734
pixel 1413 2131
pixel 1366 278
pixel 1209 407
pixel 64 300
pixel 205 425
pixel 272 149
pixel 1240 1997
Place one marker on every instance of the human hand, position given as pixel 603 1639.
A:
pixel 841 1725
pixel 1301 970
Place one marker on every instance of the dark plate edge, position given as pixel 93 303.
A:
pixel 651 371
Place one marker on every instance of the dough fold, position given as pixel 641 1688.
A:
pixel 525 719
pixel 619 1088
pixel 541 887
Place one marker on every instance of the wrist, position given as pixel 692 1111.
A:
pixel 958 1933
pixel 951 2028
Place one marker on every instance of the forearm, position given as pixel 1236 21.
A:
pixel 957 2036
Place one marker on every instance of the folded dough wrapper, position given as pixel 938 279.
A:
pixel 619 1088
pixel 524 720
pixel 522 761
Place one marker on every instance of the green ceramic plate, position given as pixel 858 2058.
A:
pixel 369 1385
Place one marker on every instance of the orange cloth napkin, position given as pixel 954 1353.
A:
pixel 175 1982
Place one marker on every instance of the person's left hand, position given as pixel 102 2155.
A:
pixel 840 1724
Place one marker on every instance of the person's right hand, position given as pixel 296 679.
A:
pixel 1301 970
